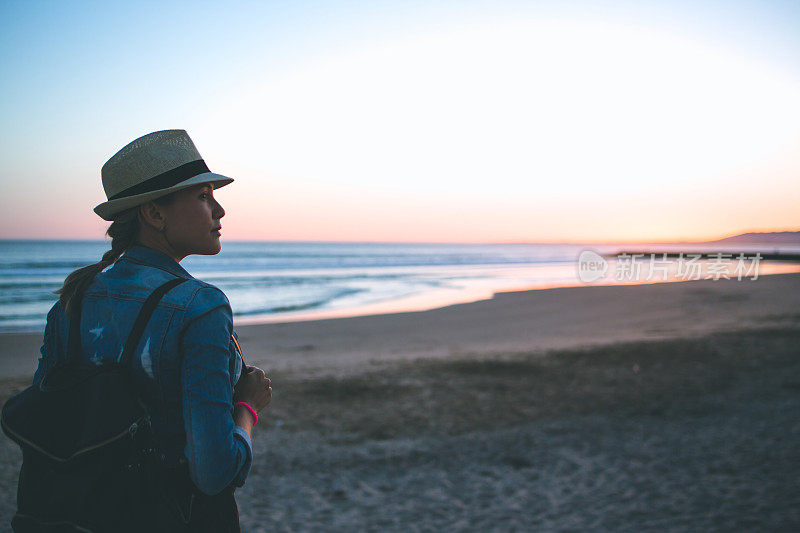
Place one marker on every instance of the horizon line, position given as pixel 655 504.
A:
pixel 550 242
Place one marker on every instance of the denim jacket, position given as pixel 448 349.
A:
pixel 185 366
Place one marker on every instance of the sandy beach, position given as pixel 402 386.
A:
pixel 662 407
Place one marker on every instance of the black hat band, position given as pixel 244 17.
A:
pixel 165 179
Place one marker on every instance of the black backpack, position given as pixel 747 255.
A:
pixel 89 461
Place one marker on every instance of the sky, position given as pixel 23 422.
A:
pixel 406 121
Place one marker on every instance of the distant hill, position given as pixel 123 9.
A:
pixel 770 244
pixel 774 237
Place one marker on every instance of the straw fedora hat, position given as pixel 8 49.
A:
pixel 152 166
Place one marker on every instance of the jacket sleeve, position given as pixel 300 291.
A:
pixel 49 350
pixel 219 452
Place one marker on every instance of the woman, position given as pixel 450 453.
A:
pixel 188 367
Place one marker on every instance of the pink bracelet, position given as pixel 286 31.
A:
pixel 252 411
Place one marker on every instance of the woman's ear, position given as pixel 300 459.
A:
pixel 152 215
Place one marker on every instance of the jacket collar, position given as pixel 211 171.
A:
pixel 142 254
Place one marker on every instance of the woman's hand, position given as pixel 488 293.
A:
pixel 253 388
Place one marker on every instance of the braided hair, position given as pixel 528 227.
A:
pixel 124 231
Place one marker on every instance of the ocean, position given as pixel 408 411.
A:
pixel 284 281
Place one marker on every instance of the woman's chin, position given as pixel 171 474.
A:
pixel 212 249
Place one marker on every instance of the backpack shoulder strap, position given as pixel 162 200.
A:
pixel 144 317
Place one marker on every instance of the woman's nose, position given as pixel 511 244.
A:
pixel 219 212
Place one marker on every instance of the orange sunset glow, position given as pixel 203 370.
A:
pixel 514 129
